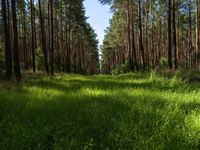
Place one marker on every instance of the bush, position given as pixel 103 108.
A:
pixel 163 62
pixel 120 69
pixel 39 59
pixel 188 75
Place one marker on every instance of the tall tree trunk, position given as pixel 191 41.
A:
pixel 151 51
pixel 24 32
pixel 174 36
pixel 141 34
pixel 134 57
pixel 190 34
pixel 7 43
pixel 147 32
pixel 169 36
pixel 52 39
pixel 68 68
pixel 43 37
pixel 178 31
pixel 33 34
pixel 15 44
pixel 129 36
pixel 197 33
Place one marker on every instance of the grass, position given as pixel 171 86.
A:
pixel 132 111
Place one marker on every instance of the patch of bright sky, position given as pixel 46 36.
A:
pixel 99 16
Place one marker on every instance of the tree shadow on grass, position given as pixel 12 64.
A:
pixel 189 107
pixel 71 121
pixel 59 122
pixel 74 85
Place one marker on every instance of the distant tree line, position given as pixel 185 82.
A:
pixel 46 35
pixel 151 34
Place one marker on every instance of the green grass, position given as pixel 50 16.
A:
pixel 132 111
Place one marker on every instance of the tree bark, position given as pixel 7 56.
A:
pixel 174 35
pixel 33 34
pixel 43 37
pixel 197 33
pixel 141 34
pixel 129 36
pixel 15 44
pixel 68 61
pixel 190 34
pixel 134 57
pixel 52 39
pixel 169 36
pixel 7 43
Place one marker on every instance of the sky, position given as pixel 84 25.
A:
pixel 99 16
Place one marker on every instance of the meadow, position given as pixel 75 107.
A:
pixel 130 111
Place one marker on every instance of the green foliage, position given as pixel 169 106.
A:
pixel 153 76
pixel 120 69
pixel 132 111
pixel 164 62
pixel 184 74
pixel 2 61
pixel 39 59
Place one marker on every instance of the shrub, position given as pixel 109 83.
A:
pixel 120 69
pixel 163 62
pixel 39 59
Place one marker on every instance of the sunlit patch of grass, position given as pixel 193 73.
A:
pixel 131 111
pixel 193 121
pixel 41 91
pixel 93 92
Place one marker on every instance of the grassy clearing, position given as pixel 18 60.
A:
pixel 100 112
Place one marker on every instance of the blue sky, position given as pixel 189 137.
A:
pixel 99 16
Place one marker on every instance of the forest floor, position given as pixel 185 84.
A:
pixel 131 111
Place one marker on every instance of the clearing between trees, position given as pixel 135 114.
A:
pixel 131 111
